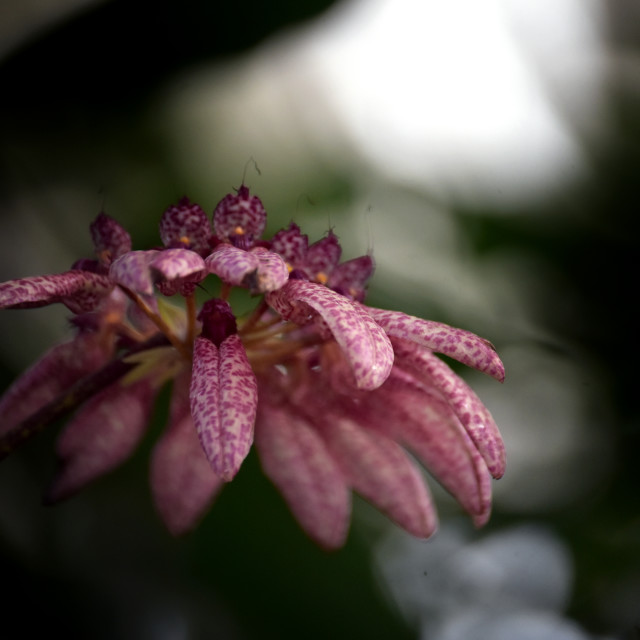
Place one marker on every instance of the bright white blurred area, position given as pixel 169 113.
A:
pixel 465 99
pixel 514 584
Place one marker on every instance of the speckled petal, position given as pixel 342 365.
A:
pixel 176 263
pixel 234 266
pixel 110 238
pixel 297 461
pixel 103 434
pixel 81 291
pixel 322 256
pixel 427 425
pixel 272 271
pixel 291 244
pixel 474 416
pixel 240 215
pixel 182 481
pixel 132 271
pixel 464 346
pixel 55 372
pixel 186 224
pixel 378 469
pixel 224 397
pixel 364 344
pixel 350 278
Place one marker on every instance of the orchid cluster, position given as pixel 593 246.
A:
pixel 335 394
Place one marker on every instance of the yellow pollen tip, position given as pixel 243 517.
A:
pixel 239 231
pixel 185 240
pixel 289 268
pixel 322 277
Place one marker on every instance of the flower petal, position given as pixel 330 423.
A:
pixel 464 346
pixel 132 271
pixel 378 469
pixel 350 278
pixel 272 271
pixel 322 256
pixel 474 416
pixel 291 244
pixel 80 291
pixel 110 239
pixel 224 397
pixel 59 368
pixel 365 345
pixel 186 224
pixel 426 424
pixel 182 481
pixel 232 265
pixel 240 216
pixel 297 461
pixel 177 263
pixel 103 434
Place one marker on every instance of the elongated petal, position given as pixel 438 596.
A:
pixel 182 481
pixel 59 368
pixel 297 461
pixel 110 239
pixel 81 291
pixel 464 346
pixel 132 271
pixel 427 425
pixel 224 397
pixel 378 469
pixel 473 415
pixel 102 435
pixel 365 345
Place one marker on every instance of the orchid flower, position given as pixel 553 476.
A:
pixel 335 394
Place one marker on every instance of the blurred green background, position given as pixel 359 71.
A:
pixel 488 156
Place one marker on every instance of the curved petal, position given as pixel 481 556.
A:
pixel 427 425
pixel 224 398
pixel 81 291
pixel 182 481
pixel 234 266
pixel 473 415
pixel 297 461
pixel 103 434
pixel 464 346
pixel 132 271
pixel 378 469
pixel 59 368
pixel 365 345
pixel 272 271
pixel 177 263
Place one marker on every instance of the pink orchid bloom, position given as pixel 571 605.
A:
pixel 335 394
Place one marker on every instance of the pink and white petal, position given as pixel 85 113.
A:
pixel 464 346
pixel 234 266
pixel 426 425
pixel 430 370
pixel 81 291
pixel 110 238
pixel 102 435
pixel 291 244
pixel 240 213
pixel 322 256
pixel 272 271
pixel 363 342
pixel 176 263
pixel 298 462
pixel 224 398
pixel 182 481
pixel 378 469
pixel 187 224
pixel 54 373
pixel 131 270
